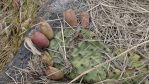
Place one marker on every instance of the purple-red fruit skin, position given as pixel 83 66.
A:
pixel 40 40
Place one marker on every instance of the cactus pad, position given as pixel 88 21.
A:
pixel 82 54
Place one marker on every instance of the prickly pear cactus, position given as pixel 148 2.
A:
pixel 83 55
pixel 86 56
pixel 135 67
pixel 57 46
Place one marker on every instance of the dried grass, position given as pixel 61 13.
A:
pixel 15 19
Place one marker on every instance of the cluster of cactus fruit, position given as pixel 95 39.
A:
pixel 83 55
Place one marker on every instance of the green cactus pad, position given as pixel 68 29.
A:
pixel 82 54
pixel 86 56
